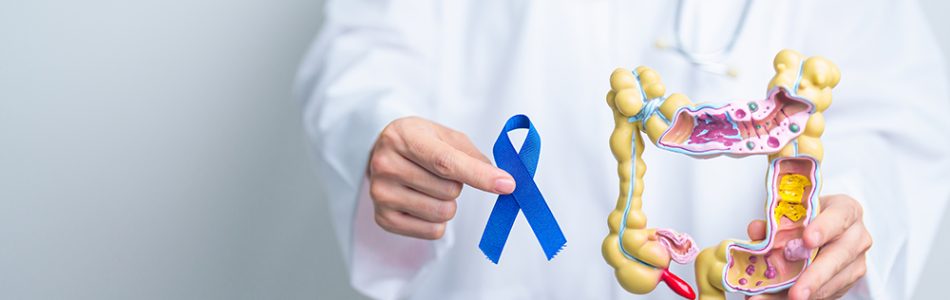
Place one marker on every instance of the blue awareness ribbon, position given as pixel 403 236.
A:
pixel 526 197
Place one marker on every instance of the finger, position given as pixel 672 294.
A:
pixel 447 162
pixel 839 213
pixel 394 166
pixel 407 200
pixel 403 224
pixel 756 230
pixel 461 142
pixel 831 259
pixel 843 281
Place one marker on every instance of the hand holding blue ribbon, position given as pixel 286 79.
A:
pixel 526 197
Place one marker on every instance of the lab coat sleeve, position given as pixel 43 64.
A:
pixel 372 63
pixel 885 139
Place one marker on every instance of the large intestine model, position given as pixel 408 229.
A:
pixel 786 125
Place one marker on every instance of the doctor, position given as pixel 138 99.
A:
pixel 404 98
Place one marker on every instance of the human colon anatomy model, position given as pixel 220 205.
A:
pixel 786 126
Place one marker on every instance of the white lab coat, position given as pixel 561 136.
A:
pixel 472 64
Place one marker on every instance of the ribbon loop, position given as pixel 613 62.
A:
pixel 526 197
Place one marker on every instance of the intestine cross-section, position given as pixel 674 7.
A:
pixel 785 125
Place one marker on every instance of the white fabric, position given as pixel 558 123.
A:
pixel 472 64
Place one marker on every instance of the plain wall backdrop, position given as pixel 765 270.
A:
pixel 151 150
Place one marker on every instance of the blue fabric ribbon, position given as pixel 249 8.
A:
pixel 526 197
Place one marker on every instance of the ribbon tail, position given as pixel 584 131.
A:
pixel 499 225
pixel 535 209
pixel 545 227
pixel 554 246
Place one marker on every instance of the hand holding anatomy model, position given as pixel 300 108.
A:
pixel 840 233
pixel 787 127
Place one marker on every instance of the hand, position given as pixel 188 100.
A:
pixel 839 231
pixel 416 172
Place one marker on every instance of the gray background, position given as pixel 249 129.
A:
pixel 152 150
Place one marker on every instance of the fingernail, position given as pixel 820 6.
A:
pixel 816 238
pixel 504 186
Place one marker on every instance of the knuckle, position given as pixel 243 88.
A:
pixel 856 209
pixel 389 137
pixel 868 242
pixel 408 119
pixel 380 165
pixel 420 208
pixel 404 121
pixel 375 190
pixel 844 226
pixel 454 190
pixel 842 258
pixel 458 136
pixel 419 144
pixel 383 221
pixel 434 232
pixel 443 165
pixel 855 255
pixel 385 202
pixel 406 125
pixel 436 212
pixel 845 222
pixel 378 193
pixel 861 271
pixel 446 211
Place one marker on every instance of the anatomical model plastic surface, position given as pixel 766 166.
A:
pixel 786 125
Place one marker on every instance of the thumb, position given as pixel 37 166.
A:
pixel 492 179
pixel 756 230
pixel 483 176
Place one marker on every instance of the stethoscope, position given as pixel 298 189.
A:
pixel 707 61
